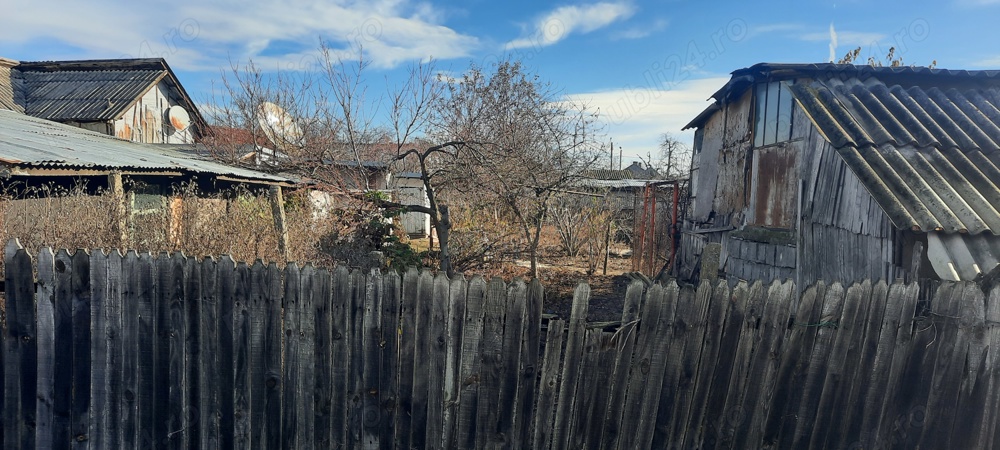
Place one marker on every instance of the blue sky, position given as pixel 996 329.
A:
pixel 648 66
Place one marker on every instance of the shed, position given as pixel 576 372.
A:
pixel 410 190
pixel 842 173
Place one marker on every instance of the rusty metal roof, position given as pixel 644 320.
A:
pixel 29 142
pixel 928 155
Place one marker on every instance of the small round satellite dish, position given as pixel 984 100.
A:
pixel 178 118
pixel 278 125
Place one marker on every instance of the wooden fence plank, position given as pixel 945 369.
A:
pixel 370 359
pixel 82 364
pixel 388 390
pixel 176 335
pixel 437 353
pixel 715 326
pixel 583 414
pixel 407 350
pixel 790 378
pixel 971 402
pixel 641 362
pixel 306 402
pixel 816 370
pixel 456 319
pixel 62 400
pixel 948 366
pixel 530 363
pixel 208 355
pixel 355 376
pixel 562 425
pixel 491 365
pixel 472 333
pixel 684 352
pixel 763 368
pixel 624 341
pixel 905 411
pixel 750 310
pixel 106 278
pixel 850 432
pixel 421 362
pixel 266 326
pixel 604 366
pixel 20 349
pixel 241 386
pixel 841 376
pixel 323 384
pixel 547 391
pixel 339 304
pixel 662 349
pixel 193 312
pixel 228 320
pixel 45 336
pixel 291 341
pixel 985 437
pixel 508 432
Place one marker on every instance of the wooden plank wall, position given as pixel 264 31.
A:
pixel 135 351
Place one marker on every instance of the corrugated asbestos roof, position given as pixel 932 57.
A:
pixel 85 96
pixel 608 174
pixel 31 142
pixel 928 155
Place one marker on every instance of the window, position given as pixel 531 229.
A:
pixel 773 115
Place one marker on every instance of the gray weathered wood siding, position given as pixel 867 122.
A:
pixel 844 234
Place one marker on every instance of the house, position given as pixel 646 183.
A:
pixel 842 173
pixel 140 100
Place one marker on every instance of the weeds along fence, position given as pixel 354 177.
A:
pixel 136 351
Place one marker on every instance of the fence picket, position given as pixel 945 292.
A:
pixel 437 353
pixel 208 355
pixel 322 386
pixel 452 387
pixel 491 365
pixel 45 337
pixel 407 350
pixel 508 429
pixel 388 390
pixel 290 376
pixel 469 378
pixel 548 386
pixel 340 354
pixel 20 349
pixel 624 341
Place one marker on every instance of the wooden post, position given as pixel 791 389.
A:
pixel 278 211
pixel 120 214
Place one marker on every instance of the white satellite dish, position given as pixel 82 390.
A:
pixel 178 118
pixel 279 126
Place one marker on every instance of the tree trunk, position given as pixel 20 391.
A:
pixel 443 228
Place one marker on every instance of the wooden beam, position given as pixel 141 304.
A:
pixel 278 211
pixel 120 213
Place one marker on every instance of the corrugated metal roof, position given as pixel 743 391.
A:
pixel 28 142
pixel 85 96
pixel 928 155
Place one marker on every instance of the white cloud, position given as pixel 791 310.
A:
pixel 848 38
pixel 639 32
pixel 561 22
pixel 636 117
pixel 195 34
pixel 988 63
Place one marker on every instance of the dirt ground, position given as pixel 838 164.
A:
pixel 560 277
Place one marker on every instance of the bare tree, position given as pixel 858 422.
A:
pixel 521 143
pixel 673 159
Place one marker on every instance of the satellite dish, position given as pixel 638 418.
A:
pixel 279 126
pixel 178 118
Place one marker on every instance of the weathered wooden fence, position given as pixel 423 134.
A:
pixel 136 351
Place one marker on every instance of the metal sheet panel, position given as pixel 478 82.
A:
pixel 34 142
